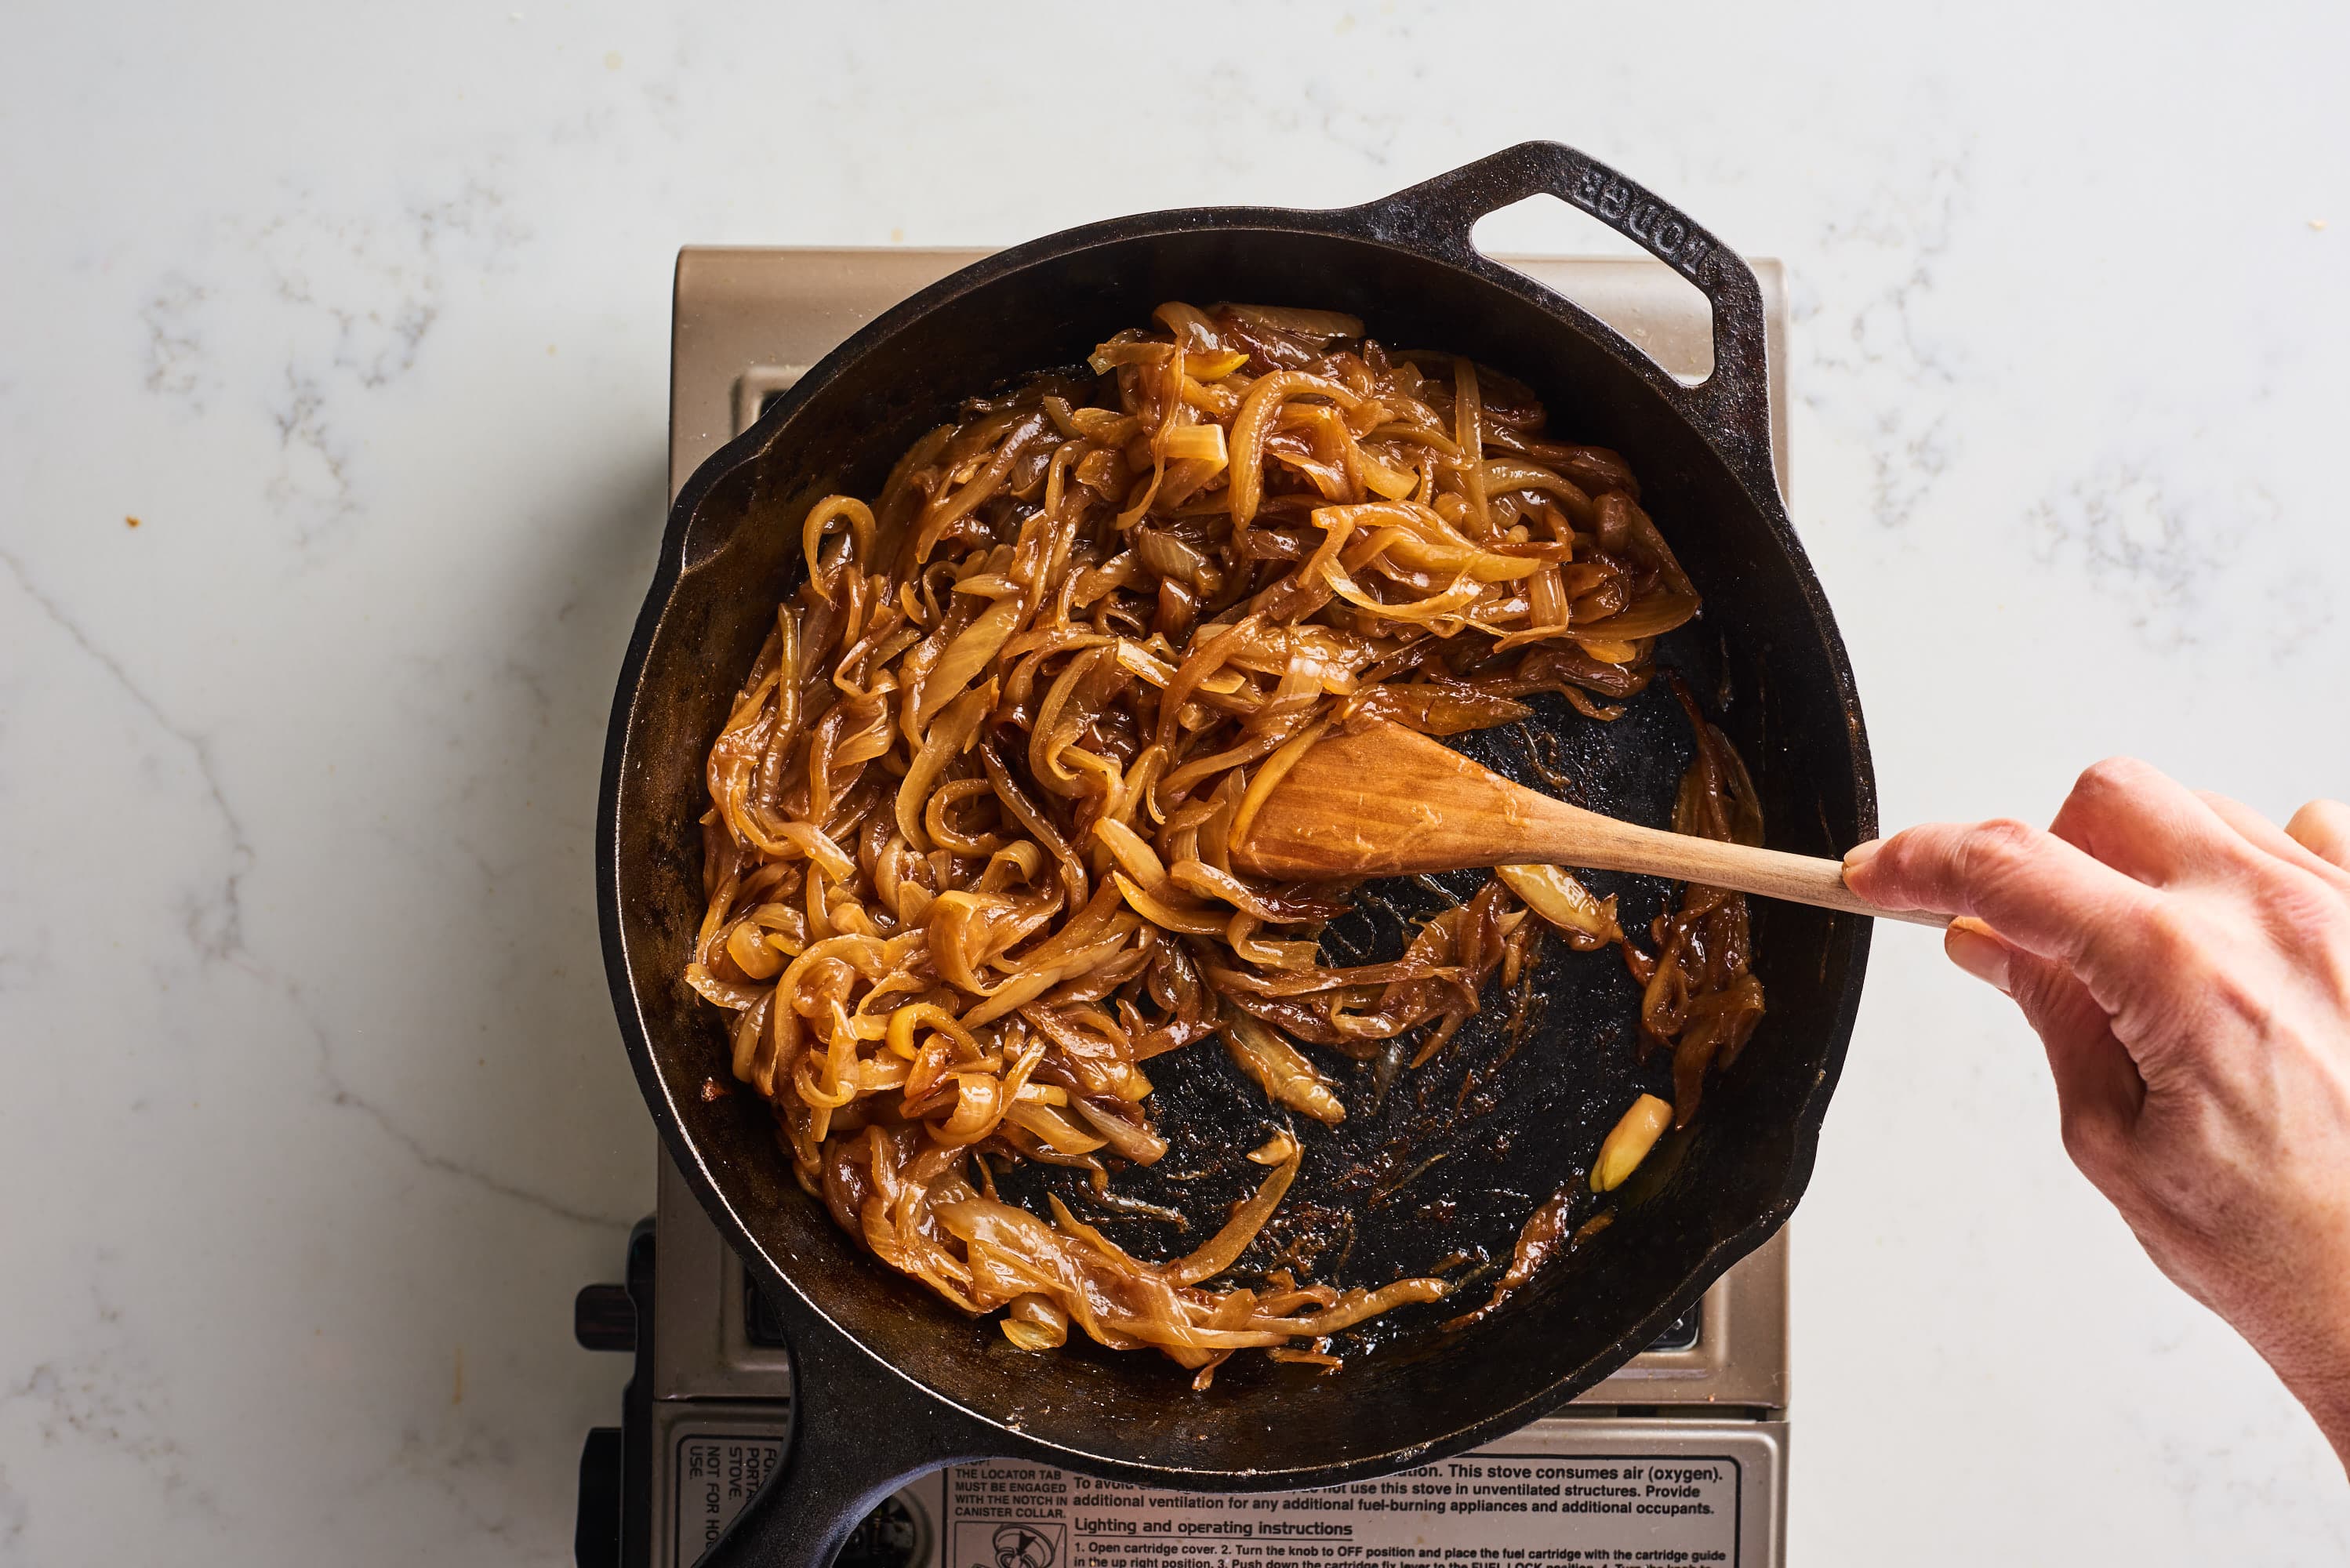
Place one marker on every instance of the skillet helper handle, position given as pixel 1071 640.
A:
pixel 859 1432
pixel 1734 404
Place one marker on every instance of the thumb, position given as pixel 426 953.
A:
pixel 2322 827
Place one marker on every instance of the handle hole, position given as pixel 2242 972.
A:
pixel 1664 314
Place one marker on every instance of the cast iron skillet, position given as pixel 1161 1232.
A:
pixel 889 1381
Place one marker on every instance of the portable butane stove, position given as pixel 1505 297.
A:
pixel 1680 1458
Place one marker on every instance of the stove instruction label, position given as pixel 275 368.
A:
pixel 716 1474
pixel 1579 1509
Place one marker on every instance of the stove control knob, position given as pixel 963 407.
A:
pixel 604 1318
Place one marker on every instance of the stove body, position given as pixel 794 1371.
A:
pixel 1679 1457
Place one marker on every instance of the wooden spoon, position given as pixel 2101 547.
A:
pixel 1389 801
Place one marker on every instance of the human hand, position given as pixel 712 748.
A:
pixel 2187 964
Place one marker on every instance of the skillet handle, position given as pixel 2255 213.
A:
pixel 1732 403
pixel 859 1431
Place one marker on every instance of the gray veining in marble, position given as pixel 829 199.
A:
pixel 315 1118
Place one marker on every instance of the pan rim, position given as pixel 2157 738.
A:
pixel 1849 946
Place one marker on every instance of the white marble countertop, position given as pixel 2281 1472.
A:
pixel 315 1115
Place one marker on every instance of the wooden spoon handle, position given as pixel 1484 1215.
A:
pixel 1383 801
pixel 1605 845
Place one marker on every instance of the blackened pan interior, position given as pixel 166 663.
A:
pixel 1702 1201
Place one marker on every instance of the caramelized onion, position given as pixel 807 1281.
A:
pixel 1280 1069
pixel 1221 1250
pixel 967 858
pixel 1035 1321
pixel 1550 892
pixel 1701 996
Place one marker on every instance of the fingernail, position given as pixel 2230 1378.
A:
pixel 1860 855
pixel 1982 955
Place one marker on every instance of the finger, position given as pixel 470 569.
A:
pixel 2098 1088
pixel 2324 827
pixel 2043 894
pixel 2263 833
pixel 2143 823
pixel 1975 947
